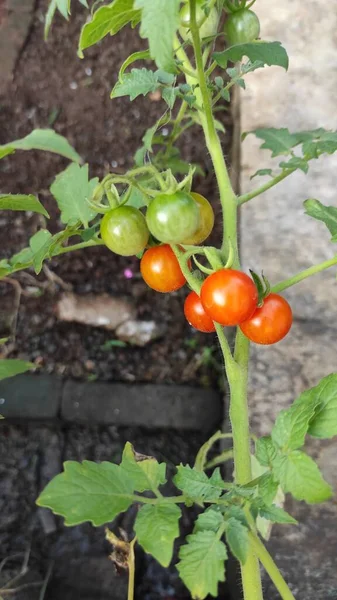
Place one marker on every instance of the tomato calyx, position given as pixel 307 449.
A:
pixel 233 6
pixel 262 285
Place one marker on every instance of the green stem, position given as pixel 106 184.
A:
pixel 176 127
pixel 131 565
pixel 283 285
pixel 218 460
pixel 271 568
pixel 250 195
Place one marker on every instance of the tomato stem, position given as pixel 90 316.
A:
pixel 287 283
pixel 131 565
pixel 270 567
pixel 263 188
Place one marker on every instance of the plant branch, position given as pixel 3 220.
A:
pixel 271 568
pixel 263 188
pixel 287 283
pixel 131 565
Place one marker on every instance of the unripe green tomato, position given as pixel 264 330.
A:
pixel 242 27
pixel 124 231
pixel 208 28
pixel 206 221
pixel 172 218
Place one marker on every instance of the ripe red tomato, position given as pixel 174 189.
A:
pixel 269 323
pixel 196 315
pixel 229 296
pixel 161 270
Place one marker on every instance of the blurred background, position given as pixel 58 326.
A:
pixel 162 390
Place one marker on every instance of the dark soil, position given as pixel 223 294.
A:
pixel 52 86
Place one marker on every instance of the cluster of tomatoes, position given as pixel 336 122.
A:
pixel 228 297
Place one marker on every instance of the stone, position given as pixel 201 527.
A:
pixel 147 405
pixel 30 397
pixel 95 310
pixel 139 333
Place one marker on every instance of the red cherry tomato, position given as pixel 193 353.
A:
pixel 161 270
pixel 229 296
pixel 196 315
pixel 269 323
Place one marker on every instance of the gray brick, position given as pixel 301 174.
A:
pixel 30 397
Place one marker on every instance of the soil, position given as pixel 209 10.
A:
pixel 52 87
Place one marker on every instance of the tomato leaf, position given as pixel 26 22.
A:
pixel 237 539
pixel 108 19
pixel 299 475
pixel 210 520
pixel 160 21
pixel 275 514
pixel 11 366
pixel 88 491
pixel 145 472
pixel 323 424
pixel 263 53
pixel 292 424
pixel 156 528
pixel 326 214
pixel 40 245
pixel 202 564
pixel 136 83
pixel 63 6
pixel 263 173
pixel 71 190
pixel 265 450
pixel 196 485
pixel 26 202
pixel 43 139
pixel 295 162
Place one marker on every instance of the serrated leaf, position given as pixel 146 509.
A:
pixel 196 485
pixel 88 491
pixel 202 564
pixel 144 471
pixel 263 173
pixel 275 514
pixel 26 202
pixel 265 450
pixel 279 141
pixel 237 539
pixel 9 367
pixel 292 424
pixel 40 245
pixel 156 528
pixel 169 94
pixel 108 19
pixel 160 21
pixel 296 162
pixel 326 214
pixel 268 488
pixel 267 53
pixel 136 83
pixel 299 475
pixel 323 424
pixel 43 139
pixel 210 520
pixel 71 190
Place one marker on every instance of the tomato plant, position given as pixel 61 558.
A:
pixel 174 217
pixel 124 231
pixel 160 269
pixel 229 296
pixel 270 323
pixel 184 74
pixel 196 314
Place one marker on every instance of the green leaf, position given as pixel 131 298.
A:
pixel 299 475
pixel 146 473
pixel 40 245
pixel 265 450
pixel 169 94
pixel 326 214
pixel 71 190
pixel 237 539
pixel 22 202
pixel 136 83
pixel 202 564
pixel 323 424
pixel 279 141
pixel 141 55
pixel 196 485
pixel 5 151
pixel 160 21
pixel 263 173
pixel 314 143
pixel 43 139
pixel 296 162
pixel 267 487
pixel 275 514
pixel 88 491
pixel 292 424
pixel 108 19
pixel 11 366
pixel 210 520
pixel 267 53
pixel 156 527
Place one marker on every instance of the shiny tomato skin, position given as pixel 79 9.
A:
pixel 196 314
pixel 241 27
pixel 206 221
pixel 173 217
pixel 229 296
pixel 124 231
pixel 208 28
pixel 160 269
pixel 270 323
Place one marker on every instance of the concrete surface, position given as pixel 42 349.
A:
pixel 278 238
